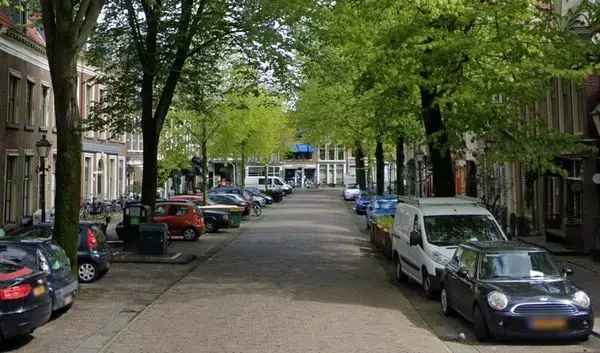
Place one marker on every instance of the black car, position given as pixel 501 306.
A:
pixel 225 199
pixel 25 302
pixel 256 192
pixel 32 246
pixel 93 252
pixel 512 290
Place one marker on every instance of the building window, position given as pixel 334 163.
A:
pixel 323 173
pixel 331 153
pixel 340 152
pixel 29 103
pixel 27 187
pixel 121 185
pixel 567 98
pixel 10 187
pixel 274 171
pixel 99 178
pixel 45 107
pixel 339 174
pixel 13 95
pixel 256 171
pixel 111 179
pixel 322 152
pixel 87 177
pixel 574 209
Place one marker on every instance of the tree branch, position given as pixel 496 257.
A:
pixel 91 17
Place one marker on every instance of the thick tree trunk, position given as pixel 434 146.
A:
pixel 68 158
pixel 150 171
pixel 380 168
pixel 443 169
pixel 360 167
pixel 266 177
pixel 400 166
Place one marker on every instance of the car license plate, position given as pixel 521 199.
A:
pixel 549 324
pixel 39 290
pixel 68 299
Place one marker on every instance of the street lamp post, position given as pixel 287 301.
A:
pixel 43 148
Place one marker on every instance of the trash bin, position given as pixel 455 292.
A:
pixel 235 217
pixel 153 238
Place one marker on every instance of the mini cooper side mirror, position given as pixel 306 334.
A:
pixel 567 272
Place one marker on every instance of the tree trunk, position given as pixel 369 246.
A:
pixel 400 166
pixel 380 168
pixel 204 173
pixel 360 167
pixel 68 158
pixel 443 169
pixel 243 167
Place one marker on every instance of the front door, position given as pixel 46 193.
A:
pixel 410 255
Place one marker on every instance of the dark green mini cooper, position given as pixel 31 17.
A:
pixel 508 289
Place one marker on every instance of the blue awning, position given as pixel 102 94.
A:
pixel 302 148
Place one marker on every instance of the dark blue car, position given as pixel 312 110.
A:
pixel 380 206
pixel 361 203
pixel 508 289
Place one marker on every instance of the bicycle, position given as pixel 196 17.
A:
pixel 256 209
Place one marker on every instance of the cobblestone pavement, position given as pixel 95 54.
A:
pixel 302 278
pixel 104 308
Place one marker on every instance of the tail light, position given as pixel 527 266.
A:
pixel 17 292
pixel 92 243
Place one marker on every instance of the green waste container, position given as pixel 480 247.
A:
pixel 235 218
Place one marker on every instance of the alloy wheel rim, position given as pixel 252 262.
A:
pixel 189 234
pixel 86 272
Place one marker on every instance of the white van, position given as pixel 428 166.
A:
pixel 427 231
pixel 274 183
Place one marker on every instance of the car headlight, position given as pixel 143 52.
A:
pixel 439 258
pixel 581 299
pixel 497 300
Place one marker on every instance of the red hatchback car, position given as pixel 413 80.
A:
pixel 184 219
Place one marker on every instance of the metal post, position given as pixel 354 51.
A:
pixel 43 189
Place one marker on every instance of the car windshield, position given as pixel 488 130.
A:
pixel 34 232
pixel 386 205
pixel 518 265
pixel 446 230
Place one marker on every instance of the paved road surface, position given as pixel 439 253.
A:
pixel 304 279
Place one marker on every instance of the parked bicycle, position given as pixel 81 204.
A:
pixel 256 209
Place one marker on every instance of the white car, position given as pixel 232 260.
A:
pixel 427 231
pixel 351 192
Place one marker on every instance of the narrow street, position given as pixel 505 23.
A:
pixel 303 279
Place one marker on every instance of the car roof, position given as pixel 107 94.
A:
pixel 179 203
pixel 439 206
pixel 495 246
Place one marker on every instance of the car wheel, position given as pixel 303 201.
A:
pixel 400 276
pixel 445 303
pixel 582 338
pixel 87 272
pixel 480 326
pixel 190 234
pixel 426 284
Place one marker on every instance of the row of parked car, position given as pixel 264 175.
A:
pixel 36 280
pixel 456 251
